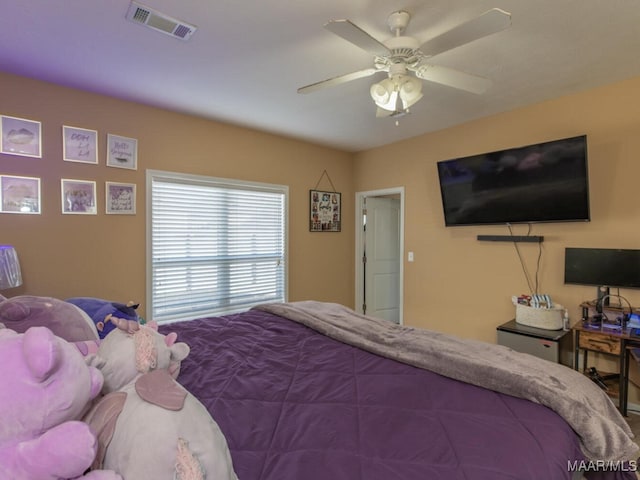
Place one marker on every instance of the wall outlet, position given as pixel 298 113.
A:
pixel 410 256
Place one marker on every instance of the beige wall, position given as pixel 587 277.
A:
pixel 460 285
pixel 104 255
pixel 456 284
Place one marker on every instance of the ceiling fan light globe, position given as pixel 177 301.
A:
pixel 410 91
pixel 408 102
pixel 384 94
pixel 379 93
pixel 411 85
pixel 390 105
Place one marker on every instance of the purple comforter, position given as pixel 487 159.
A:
pixel 296 405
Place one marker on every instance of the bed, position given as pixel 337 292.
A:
pixel 314 391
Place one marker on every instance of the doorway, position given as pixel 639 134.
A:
pixel 379 253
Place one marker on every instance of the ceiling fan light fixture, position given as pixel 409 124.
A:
pixel 384 94
pixel 379 93
pixel 396 92
pixel 410 91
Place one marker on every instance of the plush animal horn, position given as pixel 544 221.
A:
pixel 129 326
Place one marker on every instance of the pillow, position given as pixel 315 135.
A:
pixel 64 319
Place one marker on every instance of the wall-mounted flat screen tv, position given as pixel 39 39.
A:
pixel 545 182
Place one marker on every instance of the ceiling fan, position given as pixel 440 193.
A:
pixel 405 59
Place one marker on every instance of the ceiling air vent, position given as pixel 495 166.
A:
pixel 159 21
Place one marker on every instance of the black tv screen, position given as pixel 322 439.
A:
pixel 545 182
pixel 602 266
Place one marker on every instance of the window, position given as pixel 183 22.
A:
pixel 216 246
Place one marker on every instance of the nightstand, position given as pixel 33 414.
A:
pixel 552 345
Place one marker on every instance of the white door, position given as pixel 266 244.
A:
pixel 382 261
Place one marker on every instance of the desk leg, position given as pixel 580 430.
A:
pixel 624 374
pixel 576 351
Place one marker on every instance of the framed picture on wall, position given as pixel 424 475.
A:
pixel 324 211
pixel 19 136
pixel 79 145
pixel 19 194
pixel 122 152
pixel 78 196
pixel 121 198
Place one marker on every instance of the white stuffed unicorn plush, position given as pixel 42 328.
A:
pixel 149 426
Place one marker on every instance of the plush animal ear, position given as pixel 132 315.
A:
pixel 41 352
pixel 179 351
pixel 170 338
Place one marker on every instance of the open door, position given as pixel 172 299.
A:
pixel 380 253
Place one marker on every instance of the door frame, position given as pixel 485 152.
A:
pixel 359 288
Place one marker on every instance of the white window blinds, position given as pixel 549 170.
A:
pixel 217 246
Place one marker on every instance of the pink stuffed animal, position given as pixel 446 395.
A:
pixel 46 387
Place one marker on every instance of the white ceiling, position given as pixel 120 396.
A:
pixel 246 60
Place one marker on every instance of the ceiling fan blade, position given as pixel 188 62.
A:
pixel 453 78
pixel 492 21
pixel 330 82
pixel 354 34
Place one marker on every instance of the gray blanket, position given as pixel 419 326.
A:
pixel 604 433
